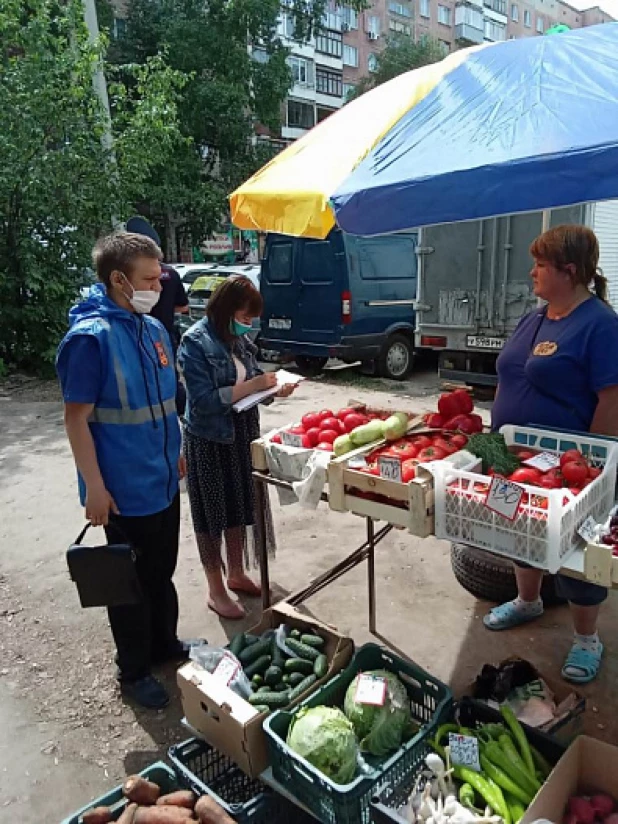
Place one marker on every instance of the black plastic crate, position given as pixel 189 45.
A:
pixel 468 713
pixel 205 770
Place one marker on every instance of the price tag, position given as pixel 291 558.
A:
pixel 370 689
pixel 504 497
pixel 464 751
pixel 226 669
pixel 588 530
pixel 289 439
pixel 390 467
pixel 544 461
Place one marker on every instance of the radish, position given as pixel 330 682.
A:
pixel 603 805
pixel 612 819
pixel 582 809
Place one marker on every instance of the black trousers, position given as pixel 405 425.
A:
pixel 144 632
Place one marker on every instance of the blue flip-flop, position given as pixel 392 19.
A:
pixel 589 663
pixel 507 616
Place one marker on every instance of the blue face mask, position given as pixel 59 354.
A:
pixel 237 328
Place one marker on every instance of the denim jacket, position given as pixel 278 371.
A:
pixel 210 375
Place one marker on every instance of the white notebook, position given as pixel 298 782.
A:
pixel 283 377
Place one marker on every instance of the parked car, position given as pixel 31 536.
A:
pixel 343 297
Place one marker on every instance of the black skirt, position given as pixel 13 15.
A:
pixel 220 485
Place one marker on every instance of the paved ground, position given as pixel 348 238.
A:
pixel 66 735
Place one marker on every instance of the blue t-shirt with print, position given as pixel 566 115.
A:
pixel 551 371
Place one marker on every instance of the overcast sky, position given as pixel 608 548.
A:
pixel 610 6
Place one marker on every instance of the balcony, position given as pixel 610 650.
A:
pixel 467 34
pixel 475 4
pixel 499 6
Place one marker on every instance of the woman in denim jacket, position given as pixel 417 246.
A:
pixel 219 366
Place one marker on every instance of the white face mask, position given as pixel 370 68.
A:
pixel 142 301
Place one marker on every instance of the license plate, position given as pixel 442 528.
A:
pixel 480 342
pixel 279 323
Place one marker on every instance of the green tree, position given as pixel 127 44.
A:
pixel 402 54
pixel 59 185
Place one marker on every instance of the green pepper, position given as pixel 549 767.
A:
pixel 467 797
pixel 505 756
pixel 490 793
pixel 444 730
pixel 541 763
pixel 520 737
pixel 504 781
pixel 516 808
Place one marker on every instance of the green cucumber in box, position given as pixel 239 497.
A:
pixel 299 665
pixel 274 700
pixel 320 667
pixel 282 686
pixel 312 641
pixel 273 675
pixel 261 707
pixel 258 667
pixel 295 633
pixel 257 679
pixel 255 651
pixel 294 678
pixel 307 682
pixel 237 644
pixel 278 655
pixel 302 650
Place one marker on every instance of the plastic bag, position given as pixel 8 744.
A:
pixel 222 664
pixel 309 490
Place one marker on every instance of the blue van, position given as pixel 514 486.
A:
pixel 343 297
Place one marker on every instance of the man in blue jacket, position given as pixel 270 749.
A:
pixel 116 369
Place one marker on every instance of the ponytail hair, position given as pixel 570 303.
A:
pixel 574 245
pixel 600 286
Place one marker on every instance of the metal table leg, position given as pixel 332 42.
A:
pixel 260 508
pixel 371 574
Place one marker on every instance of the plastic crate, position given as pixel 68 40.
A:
pixel 544 531
pixel 469 713
pixel 159 773
pixel 205 770
pixel 350 804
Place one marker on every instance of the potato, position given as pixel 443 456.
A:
pixel 209 812
pixel 180 798
pixel 128 814
pixel 98 815
pixel 140 790
pixel 162 815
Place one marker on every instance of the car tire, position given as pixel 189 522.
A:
pixel 310 367
pixel 397 357
pixel 492 578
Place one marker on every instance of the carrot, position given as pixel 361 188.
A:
pixel 162 815
pixel 98 815
pixel 141 790
pixel 209 812
pixel 180 798
pixel 128 814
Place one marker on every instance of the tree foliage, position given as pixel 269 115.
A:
pixel 402 54
pixel 59 186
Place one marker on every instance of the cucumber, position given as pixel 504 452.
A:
pixel 271 699
pixel 312 641
pixel 263 689
pixel 258 667
pixel 294 678
pixel 304 685
pixel 261 707
pixel 299 665
pixel 295 634
pixel 251 639
pixel 320 668
pixel 281 687
pixel 302 650
pixel 257 679
pixel 273 675
pixel 237 644
pixel 255 651
pixel 278 655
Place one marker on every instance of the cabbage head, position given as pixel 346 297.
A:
pixel 381 730
pixel 325 738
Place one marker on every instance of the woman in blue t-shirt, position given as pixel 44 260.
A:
pixel 560 369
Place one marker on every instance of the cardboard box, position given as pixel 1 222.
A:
pixel 230 723
pixel 587 766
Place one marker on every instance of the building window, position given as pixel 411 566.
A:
pixel 469 16
pixel 527 19
pixel 372 63
pixel 424 8
pixel 349 18
pixel 329 42
pixel 494 31
pixel 515 13
pixel 444 15
pixel 260 55
pixel 496 5
pixel 540 25
pixel 287 26
pixel 332 20
pixel 324 113
pixel 300 115
pixel 373 26
pixel 400 9
pixel 348 90
pixel 328 82
pixel 119 28
pixel 302 73
pixel 350 56
pixel 399 28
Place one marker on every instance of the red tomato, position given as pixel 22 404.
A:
pixel 311 420
pixel 434 421
pixel 575 472
pixel 343 413
pixel 447 447
pixel 464 399
pixel 571 455
pixel 525 454
pixel 307 442
pixel 422 442
pixel 313 435
pixel 296 430
pixel 431 453
pixel 331 423
pixel 594 472
pixel 460 441
pixel 555 474
pixel 352 420
pixel 550 482
pixel 575 490
pixel 325 413
pixel 327 447
pixel 526 475
pixel 328 436
pixel 402 449
pixel 276 439
pixel 408 471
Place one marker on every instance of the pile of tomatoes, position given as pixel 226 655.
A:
pixel 319 430
pixel 573 473
pixel 415 449
pixel 455 414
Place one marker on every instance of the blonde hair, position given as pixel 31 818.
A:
pixel 573 245
pixel 118 252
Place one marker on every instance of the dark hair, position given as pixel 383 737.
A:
pixel 575 245
pixel 119 251
pixel 234 294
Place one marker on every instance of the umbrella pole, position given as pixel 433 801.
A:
pixel 546 220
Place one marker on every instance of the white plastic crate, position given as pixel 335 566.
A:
pixel 544 531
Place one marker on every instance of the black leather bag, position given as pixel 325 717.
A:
pixel 105 576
